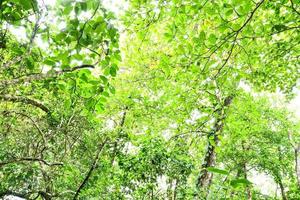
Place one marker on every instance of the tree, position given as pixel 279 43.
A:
pixel 53 83
pixel 174 123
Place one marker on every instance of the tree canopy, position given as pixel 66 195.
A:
pixel 168 99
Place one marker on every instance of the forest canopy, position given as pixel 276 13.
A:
pixel 155 99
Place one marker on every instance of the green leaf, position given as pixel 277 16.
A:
pixel 26 4
pixel 212 38
pixel 112 89
pixel 238 182
pixel 83 6
pixel 113 71
pixel 99 107
pixel 218 171
pixel 67 10
pixel 104 79
pixel 77 8
pixel 49 62
pixel 202 36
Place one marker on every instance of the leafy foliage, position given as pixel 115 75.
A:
pixel 170 120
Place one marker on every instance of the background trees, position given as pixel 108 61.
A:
pixel 174 123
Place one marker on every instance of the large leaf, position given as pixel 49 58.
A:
pixel 218 171
pixel 240 182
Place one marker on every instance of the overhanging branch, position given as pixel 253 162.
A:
pixel 17 160
pixel 92 168
pixel 40 76
pixel 25 100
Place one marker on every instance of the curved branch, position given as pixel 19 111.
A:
pixel 17 160
pixel 236 33
pixel 293 7
pixel 92 168
pixel 25 100
pixel 35 125
pixel 41 76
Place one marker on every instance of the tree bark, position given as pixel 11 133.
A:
pixel 25 100
pixel 92 168
pixel 175 190
pixel 205 177
pixel 297 163
pixel 248 189
pixel 281 188
pixel 279 178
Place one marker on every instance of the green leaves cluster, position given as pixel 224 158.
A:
pixel 172 119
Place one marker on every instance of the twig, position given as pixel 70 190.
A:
pixel 293 7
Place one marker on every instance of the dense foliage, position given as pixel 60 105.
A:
pixel 190 111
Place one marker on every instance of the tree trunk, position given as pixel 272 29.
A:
pixel 205 177
pixel 239 171
pixel 248 189
pixel 279 178
pixel 175 190
pixel 297 164
pixel 282 189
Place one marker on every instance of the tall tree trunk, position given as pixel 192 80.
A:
pixel 175 190
pixel 278 176
pixel 239 171
pixel 297 163
pixel 281 188
pixel 172 189
pixel 248 189
pixel 205 177
pixel 244 168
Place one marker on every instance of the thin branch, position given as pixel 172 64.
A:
pixel 29 45
pixel 92 168
pixel 236 35
pixel 25 100
pixel 41 76
pixel 293 7
pixel 228 57
pixel 84 25
pixel 34 32
pixel 30 159
pixel 35 125
pixel 121 125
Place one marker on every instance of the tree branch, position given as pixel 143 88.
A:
pixel 17 160
pixel 92 168
pixel 40 76
pixel 33 122
pixel 237 32
pixel 25 100
pixel 293 7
